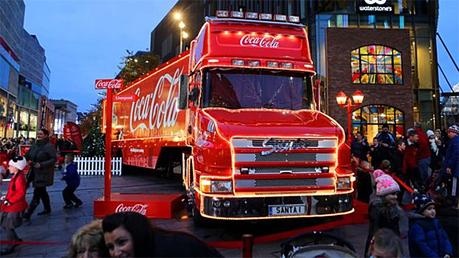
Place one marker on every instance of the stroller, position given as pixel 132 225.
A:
pixel 317 245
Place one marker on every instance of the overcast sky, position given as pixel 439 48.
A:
pixel 85 39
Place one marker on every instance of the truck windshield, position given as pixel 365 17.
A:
pixel 234 89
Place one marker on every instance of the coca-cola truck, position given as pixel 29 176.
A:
pixel 237 116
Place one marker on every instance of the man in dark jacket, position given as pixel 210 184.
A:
pixel 452 160
pixel 41 158
pixel 360 147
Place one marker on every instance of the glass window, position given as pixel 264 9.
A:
pixel 247 89
pixel 376 64
pixel 370 119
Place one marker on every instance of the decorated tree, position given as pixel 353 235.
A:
pixel 135 65
pixel 93 142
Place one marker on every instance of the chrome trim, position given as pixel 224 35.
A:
pixel 284 157
pixel 258 142
pixel 249 183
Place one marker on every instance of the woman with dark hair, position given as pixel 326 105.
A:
pixel 130 234
pixel 41 158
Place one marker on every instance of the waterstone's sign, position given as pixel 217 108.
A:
pixel 375 6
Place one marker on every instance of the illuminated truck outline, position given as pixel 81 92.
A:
pixel 252 162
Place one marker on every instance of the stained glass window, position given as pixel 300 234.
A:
pixel 376 64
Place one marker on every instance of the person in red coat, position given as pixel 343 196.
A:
pixel 13 204
pixel 423 155
pixel 410 166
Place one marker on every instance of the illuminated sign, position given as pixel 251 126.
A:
pixel 258 41
pixel 375 6
pixel 108 84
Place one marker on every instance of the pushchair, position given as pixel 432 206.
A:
pixel 315 245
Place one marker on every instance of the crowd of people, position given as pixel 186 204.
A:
pixel 425 161
pixel 427 166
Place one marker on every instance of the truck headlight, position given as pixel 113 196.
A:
pixel 216 186
pixel 343 183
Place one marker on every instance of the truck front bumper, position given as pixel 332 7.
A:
pixel 262 207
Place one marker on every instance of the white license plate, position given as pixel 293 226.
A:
pixel 287 209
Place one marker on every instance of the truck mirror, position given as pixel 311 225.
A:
pixel 183 102
pixel 194 94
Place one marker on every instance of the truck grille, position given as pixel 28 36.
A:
pixel 283 162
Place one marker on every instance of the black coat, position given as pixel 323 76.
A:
pixel 178 244
pixel 43 153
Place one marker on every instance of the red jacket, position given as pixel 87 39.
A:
pixel 423 145
pixel 409 158
pixel 16 194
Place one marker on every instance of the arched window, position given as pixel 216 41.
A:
pixel 370 119
pixel 376 64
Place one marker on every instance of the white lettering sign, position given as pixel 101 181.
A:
pixel 380 2
pixel 139 208
pixel 255 41
pixel 151 111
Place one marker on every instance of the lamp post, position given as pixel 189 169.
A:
pixel 349 103
pixel 181 25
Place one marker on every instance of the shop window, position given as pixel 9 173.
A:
pixel 376 64
pixel 370 119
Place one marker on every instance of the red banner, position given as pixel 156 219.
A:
pixel 72 133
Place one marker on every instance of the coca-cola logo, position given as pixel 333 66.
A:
pixel 109 84
pixel 139 208
pixel 256 41
pixel 152 110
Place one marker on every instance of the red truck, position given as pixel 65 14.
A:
pixel 237 116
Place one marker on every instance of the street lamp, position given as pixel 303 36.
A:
pixel 349 103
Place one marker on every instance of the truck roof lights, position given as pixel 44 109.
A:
pixel 222 14
pixel 236 14
pixel 254 63
pixel 280 17
pixel 237 62
pixel 287 65
pixel 294 19
pixel 251 15
pixel 272 64
pixel 266 16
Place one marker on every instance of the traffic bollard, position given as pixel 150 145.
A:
pixel 247 245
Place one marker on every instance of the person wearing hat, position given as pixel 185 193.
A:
pixel 426 236
pixel 383 210
pixel 13 204
pixel 452 160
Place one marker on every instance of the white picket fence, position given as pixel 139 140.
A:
pixel 95 166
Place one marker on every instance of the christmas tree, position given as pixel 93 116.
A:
pixel 93 143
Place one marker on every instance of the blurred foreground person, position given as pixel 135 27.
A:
pixel 88 242
pixel 130 234
pixel 386 244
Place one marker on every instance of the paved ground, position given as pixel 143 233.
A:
pixel 48 236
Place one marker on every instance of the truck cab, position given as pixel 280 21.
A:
pixel 259 148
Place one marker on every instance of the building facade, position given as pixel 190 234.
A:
pixel 386 49
pixel 64 111
pixel 24 74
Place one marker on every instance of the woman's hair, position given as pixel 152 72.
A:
pixel 137 225
pixel 385 240
pixel 89 236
